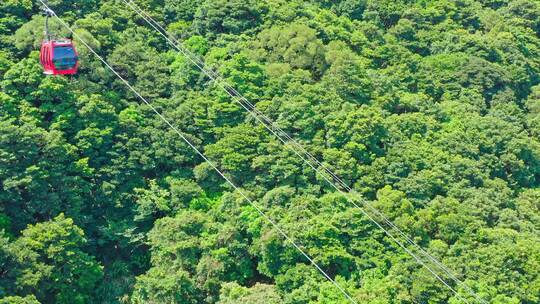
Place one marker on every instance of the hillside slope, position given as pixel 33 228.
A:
pixel 429 109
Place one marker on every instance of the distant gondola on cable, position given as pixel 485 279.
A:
pixel 57 56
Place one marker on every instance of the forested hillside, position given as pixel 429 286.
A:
pixel 429 109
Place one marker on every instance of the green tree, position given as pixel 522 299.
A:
pixel 232 293
pixel 160 285
pixel 295 44
pixel 52 263
pixel 234 17
pixel 19 300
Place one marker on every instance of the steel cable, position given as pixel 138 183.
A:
pixel 311 160
pixel 184 138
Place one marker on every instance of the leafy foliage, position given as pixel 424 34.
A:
pixel 429 109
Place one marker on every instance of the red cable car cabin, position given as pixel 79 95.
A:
pixel 59 57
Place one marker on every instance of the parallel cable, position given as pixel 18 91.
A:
pixel 308 158
pixel 184 138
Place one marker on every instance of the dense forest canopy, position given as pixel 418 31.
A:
pixel 430 109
